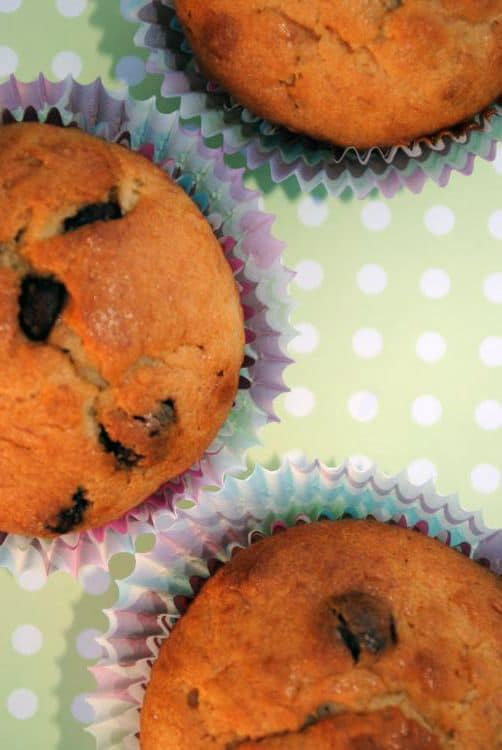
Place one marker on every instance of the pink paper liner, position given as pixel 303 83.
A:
pixel 244 232
pixel 150 600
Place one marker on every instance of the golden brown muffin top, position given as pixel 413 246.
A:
pixel 330 633
pixel 352 72
pixel 121 333
pixel 384 729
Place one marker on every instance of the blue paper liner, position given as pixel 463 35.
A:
pixel 151 599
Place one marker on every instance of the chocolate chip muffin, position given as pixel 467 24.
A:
pixel 352 72
pixel 121 330
pixel 352 635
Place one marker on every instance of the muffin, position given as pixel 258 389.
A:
pixel 346 634
pixel 355 72
pixel 121 330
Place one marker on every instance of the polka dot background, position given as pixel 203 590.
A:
pixel 398 358
pixel 398 355
pixel 83 38
pixel 47 641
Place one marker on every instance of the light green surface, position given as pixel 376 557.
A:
pixel 465 454
pixel 396 376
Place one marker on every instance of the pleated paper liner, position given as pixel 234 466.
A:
pixel 196 541
pixel 244 233
pixel 312 163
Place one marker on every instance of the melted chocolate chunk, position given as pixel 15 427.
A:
pixel 364 623
pixel 70 517
pixel 125 457
pixel 193 698
pixel 40 303
pixel 91 213
pixel 159 419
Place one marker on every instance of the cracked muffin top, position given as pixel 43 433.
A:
pixel 121 330
pixel 346 635
pixel 352 72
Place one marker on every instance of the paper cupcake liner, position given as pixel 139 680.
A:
pixel 196 541
pixel 255 257
pixel 313 164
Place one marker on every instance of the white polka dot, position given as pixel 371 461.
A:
pixel 497 164
pixel 371 279
pixel 312 212
pixel 299 402
pixel 9 6
pixel 307 338
pixel 485 478
pixel 87 645
pixel 360 463
pixel 32 580
pixel 488 415
pixel 71 8
pixel 495 224
pixel 492 288
pixel 27 639
pixel 420 471
pixel 439 220
pixel 94 580
pixel 435 283
pixel 490 351
pixel 22 703
pixel 82 710
pixel 431 346
pixel 66 64
pixel 376 216
pixel 130 70
pixel 8 61
pixel 426 410
pixel 367 343
pixel 309 275
pixel 363 406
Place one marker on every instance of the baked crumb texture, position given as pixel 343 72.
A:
pixel 351 635
pixel 352 72
pixel 121 333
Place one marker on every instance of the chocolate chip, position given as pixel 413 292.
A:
pixel 70 517
pixel 364 623
pixel 91 213
pixel 193 698
pixel 159 419
pixel 40 303
pixel 125 457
